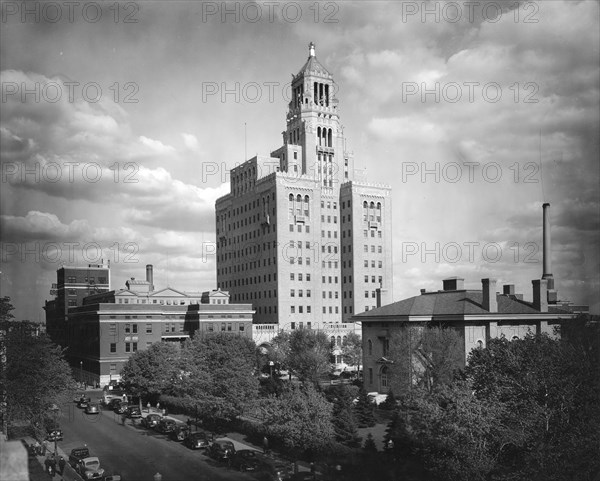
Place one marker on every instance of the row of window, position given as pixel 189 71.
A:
pixel 379 248
pixel 253 234
pixel 85 280
pixel 332 294
pixel 300 309
pixel 366 233
pixel 301 276
pixel 300 293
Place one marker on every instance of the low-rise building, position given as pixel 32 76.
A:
pixel 476 315
pixel 108 327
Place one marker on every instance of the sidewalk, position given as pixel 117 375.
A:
pixel 69 473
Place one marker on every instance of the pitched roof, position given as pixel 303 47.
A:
pixel 313 66
pixel 445 303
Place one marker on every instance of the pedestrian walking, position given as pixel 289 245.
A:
pixel 265 445
pixel 148 406
pixel 61 465
pixel 313 470
pixel 123 419
pixel 158 406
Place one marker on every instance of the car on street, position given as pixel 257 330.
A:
pixel 151 420
pixel 221 450
pixel 113 403
pixel 53 431
pixel 166 426
pixel 87 466
pixel 246 460
pixel 273 470
pixel 83 402
pixel 180 433
pixel 133 412
pixel 197 440
pixel 92 409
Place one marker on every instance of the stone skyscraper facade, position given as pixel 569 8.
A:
pixel 302 236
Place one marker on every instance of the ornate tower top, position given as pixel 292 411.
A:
pixel 311 49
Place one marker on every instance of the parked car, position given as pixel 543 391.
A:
pixel 92 409
pixel 273 470
pixel 133 412
pixel 197 440
pixel 166 426
pixel 88 467
pixel 77 397
pixel 53 431
pixel 113 403
pixel 221 450
pixel 121 408
pixel 180 432
pixel 151 420
pixel 245 460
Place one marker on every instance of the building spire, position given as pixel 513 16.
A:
pixel 311 49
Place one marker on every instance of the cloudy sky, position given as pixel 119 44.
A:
pixel 119 123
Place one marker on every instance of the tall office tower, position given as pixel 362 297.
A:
pixel 301 235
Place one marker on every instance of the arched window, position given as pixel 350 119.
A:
pixel 344 339
pixel 384 378
pixel 319 134
pixel 365 205
pixel 329 139
pixel 370 347
pixel 291 197
pixel 515 338
pixel 339 340
pixel 378 205
pixel 332 341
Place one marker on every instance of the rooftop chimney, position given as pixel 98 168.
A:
pixel 540 294
pixel 454 284
pixel 547 248
pixel 489 301
pixel 150 276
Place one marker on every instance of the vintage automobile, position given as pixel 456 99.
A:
pixel 221 450
pixel 197 440
pixel 180 433
pixel 246 460
pixel 88 467
pixel 83 402
pixel 166 426
pixel 53 431
pixel 92 409
pixel 133 412
pixel 151 420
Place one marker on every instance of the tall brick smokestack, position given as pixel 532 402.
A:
pixel 547 248
pixel 150 276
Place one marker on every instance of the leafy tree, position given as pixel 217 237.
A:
pixel 35 375
pixel 218 374
pixel 458 436
pixel 550 399
pixel 279 351
pixel 364 410
pixel 153 371
pixel 300 418
pixel 427 356
pixel 441 353
pixel 352 350
pixel 309 354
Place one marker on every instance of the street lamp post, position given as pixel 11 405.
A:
pixel 271 368
pixel 81 371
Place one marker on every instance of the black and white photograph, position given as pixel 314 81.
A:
pixel 301 240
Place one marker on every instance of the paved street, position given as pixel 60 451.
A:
pixel 137 453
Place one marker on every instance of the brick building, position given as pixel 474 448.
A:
pixel 106 328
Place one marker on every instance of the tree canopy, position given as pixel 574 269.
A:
pixel 35 376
